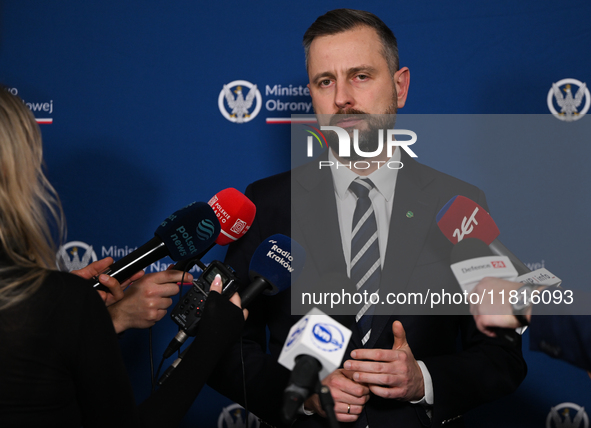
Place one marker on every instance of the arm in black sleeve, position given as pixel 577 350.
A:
pixel 264 378
pixel 103 388
pixel 219 328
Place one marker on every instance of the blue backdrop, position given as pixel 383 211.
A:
pixel 127 96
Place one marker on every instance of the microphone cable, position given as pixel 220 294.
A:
pixel 154 376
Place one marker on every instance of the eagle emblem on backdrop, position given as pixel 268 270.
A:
pixel 234 416
pixel 567 415
pixel 75 255
pixel 240 101
pixel 569 99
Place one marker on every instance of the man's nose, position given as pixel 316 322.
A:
pixel 343 98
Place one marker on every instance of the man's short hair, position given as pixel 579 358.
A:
pixel 340 20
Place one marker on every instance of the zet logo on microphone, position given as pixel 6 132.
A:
pixel 205 230
pixel 327 337
pixel 467 226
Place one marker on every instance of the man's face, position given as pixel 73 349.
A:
pixel 349 76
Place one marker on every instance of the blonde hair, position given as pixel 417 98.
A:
pixel 27 201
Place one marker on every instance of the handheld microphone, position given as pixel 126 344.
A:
pixel 182 235
pixel 476 222
pixel 314 348
pixel 461 217
pixel 275 264
pixel 235 213
pixel 472 260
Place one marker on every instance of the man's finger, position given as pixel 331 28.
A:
pixel 371 355
pixel 369 366
pixel 399 335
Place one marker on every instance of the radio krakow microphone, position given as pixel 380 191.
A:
pixel 314 348
pixel 461 218
pixel 182 235
pixel 275 265
pixel 472 260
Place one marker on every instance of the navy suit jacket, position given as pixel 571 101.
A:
pixel 417 259
pixel 566 337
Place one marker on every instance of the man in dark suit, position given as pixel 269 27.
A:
pixel 407 373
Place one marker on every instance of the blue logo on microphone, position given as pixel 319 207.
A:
pixel 205 229
pixel 300 326
pixel 327 337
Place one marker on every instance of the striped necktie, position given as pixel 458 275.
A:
pixel 365 253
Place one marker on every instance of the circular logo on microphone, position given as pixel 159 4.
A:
pixel 205 229
pixel 297 332
pixel 327 337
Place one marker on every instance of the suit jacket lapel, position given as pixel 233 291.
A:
pixel 413 213
pixel 315 223
pixel 315 211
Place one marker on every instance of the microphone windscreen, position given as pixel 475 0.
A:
pixel 462 216
pixel 189 231
pixel 469 248
pixel 279 260
pixel 235 213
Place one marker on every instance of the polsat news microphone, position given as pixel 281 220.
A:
pixel 182 235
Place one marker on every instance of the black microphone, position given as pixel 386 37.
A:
pixel 275 264
pixel 302 382
pixel 314 348
pixel 181 236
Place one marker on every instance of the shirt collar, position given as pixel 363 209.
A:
pixel 384 178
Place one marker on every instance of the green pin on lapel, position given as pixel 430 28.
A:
pixel 410 214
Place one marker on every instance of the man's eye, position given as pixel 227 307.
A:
pixel 362 77
pixel 325 82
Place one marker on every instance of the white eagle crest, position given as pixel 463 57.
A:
pixel 567 103
pixel 239 105
pixel 74 263
pixel 236 419
pixel 565 421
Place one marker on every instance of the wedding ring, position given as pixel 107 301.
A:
pixel 348 408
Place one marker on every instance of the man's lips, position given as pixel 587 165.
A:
pixel 348 122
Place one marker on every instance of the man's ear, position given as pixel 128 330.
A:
pixel 402 81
